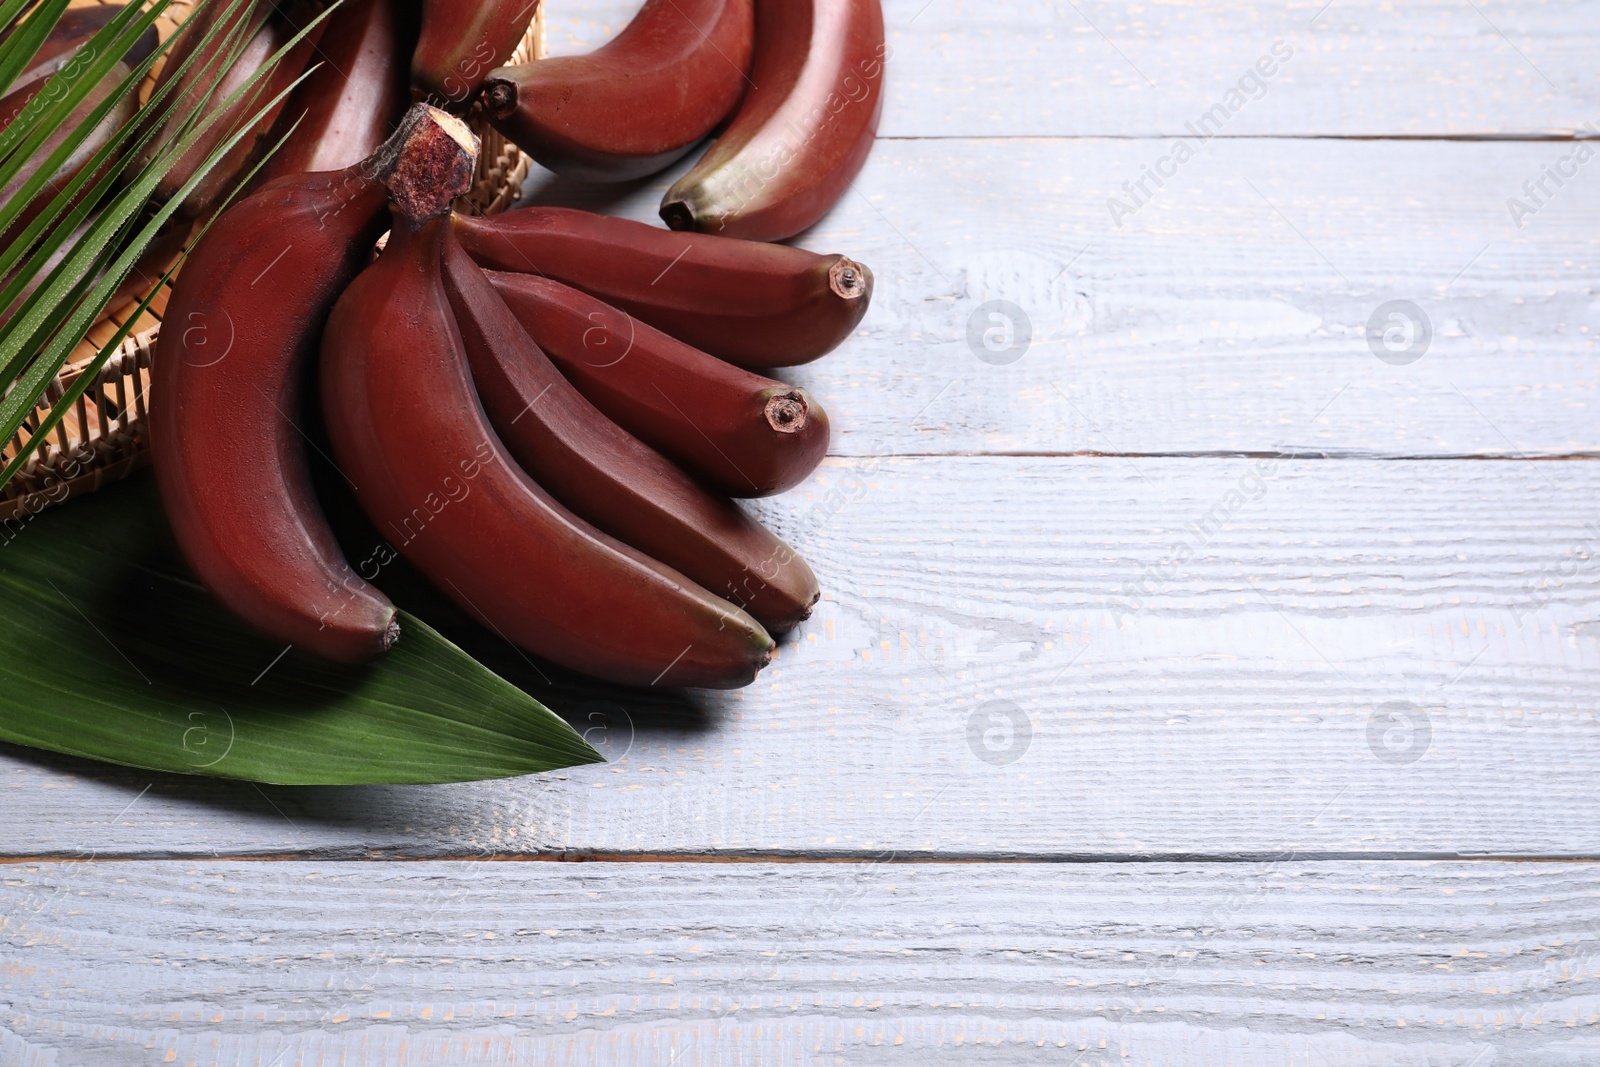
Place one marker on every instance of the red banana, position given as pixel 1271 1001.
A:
pixel 243 320
pixel 350 104
pixel 147 270
pixel 71 32
pixel 265 30
pixel 804 131
pixel 637 103
pixel 408 430
pixel 737 432
pixel 461 41
pixel 608 476
pixel 753 304
pixel 18 98
pixel 12 105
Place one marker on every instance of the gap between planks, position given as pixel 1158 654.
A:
pixel 1345 454
pixel 842 858
pixel 1541 137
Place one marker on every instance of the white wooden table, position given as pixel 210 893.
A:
pixel 1191 686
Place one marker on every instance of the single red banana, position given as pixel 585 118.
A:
pixel 461 41
pixel 351 103
pixel 123 110
pixel 266 29
pixel 752 304
pixel 18 98
pixel 71 32
pixel 610 477
pixel 638 102
pixel 195 64
pixel 734 430
pixel 804 131
pixel 245 317
pixel 407 428
pixel 147 270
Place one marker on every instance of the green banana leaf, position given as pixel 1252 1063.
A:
pixel 109 649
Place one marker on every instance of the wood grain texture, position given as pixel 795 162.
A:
pixel 1230 313
pixel 1285 964
pixel 1163 649
pixel 1233 697
pixel 1095 68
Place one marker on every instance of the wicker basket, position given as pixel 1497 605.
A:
pixel 104 437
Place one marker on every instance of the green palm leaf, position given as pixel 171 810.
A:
pixel 36 342
pixel 110 650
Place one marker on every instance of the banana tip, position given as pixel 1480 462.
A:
pixel 849 279
pixel 816 598
pixel 499 96
pixel 788 412
pixel 677 215
pixel 391 633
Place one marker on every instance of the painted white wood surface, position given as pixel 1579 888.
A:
pixel 1228 314
pixel 1282 964
pixel 1230 714
pixel 1258 711
pixel 970 68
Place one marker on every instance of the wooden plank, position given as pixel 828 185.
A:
pixel 1097 68
pixel 1349 658
pixel 1228 314
pixel 1288 964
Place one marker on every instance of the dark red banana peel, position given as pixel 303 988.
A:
pixel 266 29
pixel 803 131
pixel 461 41
pixel 610 477
pixel 352 101
pixel 122 111
pixel 752 304
pixel 71 32
pixel 734 430
pixel 408 430
pixel 636 104
pixel 245 317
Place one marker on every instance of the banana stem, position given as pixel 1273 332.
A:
pixel 428 162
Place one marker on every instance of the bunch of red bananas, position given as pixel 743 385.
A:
pixel 545 412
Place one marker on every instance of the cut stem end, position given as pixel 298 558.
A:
pixel 849 279
pixel 787 412
pixel 430 160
